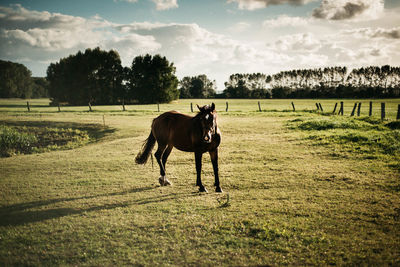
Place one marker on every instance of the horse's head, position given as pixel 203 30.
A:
pixel 208 121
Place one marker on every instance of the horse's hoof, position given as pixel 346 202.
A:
pixel 164 181
pixel 202 189
pixel 218 189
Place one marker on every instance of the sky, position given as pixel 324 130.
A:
pixel 213 37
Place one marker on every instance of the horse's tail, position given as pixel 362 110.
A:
pixel 145 152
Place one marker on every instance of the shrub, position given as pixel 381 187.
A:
pixel 13 142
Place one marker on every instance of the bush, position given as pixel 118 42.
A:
pixel 14 142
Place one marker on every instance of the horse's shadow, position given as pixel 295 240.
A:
pixel 25 213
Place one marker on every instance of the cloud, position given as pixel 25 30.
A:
pixel 284 21
pixel 393 33
pixel 240 27
pixel 298 42
pixel 43 36
pixel 349 9
pixel 257 4
pixel 165 4
pixel 160 4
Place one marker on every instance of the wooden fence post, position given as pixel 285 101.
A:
pixel 370 108
pixel 259 106
pixel 354 109
pixel 123 104
pixel 294 109
pixel 359 109
pixel 28 106
pixel 226 106
pixel 341 110
pixel 334 109
pixel 382 111
pixel 158 107
pixel 191 107
pixel 398 112
pixel 320 107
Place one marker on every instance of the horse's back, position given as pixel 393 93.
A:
pixel 170 118
pixel 172 127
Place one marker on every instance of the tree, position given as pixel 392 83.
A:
pixel 247 86
pixel 152 79
pixel 39 87
pixel 15 80
pixel 197 87
pixel 92 77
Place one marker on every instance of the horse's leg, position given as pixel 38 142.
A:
pixel 214 160
pixel 159 153
pixel 198 156
pixel 164 158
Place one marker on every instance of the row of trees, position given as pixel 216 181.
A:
pixel 16 81
pixel 97 77
pixel 366 82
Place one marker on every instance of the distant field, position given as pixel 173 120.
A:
pixel 234 105
pixel 300 188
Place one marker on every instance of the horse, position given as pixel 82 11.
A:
pixel 198 134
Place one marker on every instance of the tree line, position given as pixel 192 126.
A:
pixel 330 82
pixel 97 77
pixel 16 81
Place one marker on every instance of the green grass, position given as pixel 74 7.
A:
pixel 322 195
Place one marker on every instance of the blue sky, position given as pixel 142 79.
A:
pixel 212 37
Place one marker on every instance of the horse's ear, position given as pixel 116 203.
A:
pixel 213 107
pixel 199 107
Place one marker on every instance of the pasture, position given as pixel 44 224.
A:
pixel 300 188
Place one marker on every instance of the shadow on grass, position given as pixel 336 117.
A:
pixel 20 214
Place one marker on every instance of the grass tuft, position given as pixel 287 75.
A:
pixel 15 142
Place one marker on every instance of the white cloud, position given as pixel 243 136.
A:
pixel 284 21
pixel 298 42
pixel 165 4
pixel 239 27
pixel 349 9
pixel 160 4
pixel 257 4
pixel 392 33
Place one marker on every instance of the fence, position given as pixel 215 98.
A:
pixel 338 107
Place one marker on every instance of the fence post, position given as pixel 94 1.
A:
pixel 259 106
pixel 354 109
pixel 359 109
pixel 123 104
pixel 28 106
pixel 370 108
pixel 191 107
pixel 398 112
pixel 59 108
pixel 341 110
pixel 382 111
pixel 226 106
pixel 320 107
pixel 158 107
pixel 334 109
pixel 294 109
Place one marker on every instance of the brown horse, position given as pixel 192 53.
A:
pixel 197 134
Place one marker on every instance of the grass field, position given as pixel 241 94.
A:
pixel 300 188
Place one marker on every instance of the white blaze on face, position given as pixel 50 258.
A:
pixel 207 136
